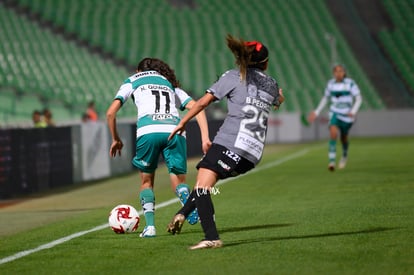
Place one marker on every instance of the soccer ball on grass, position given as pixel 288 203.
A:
pixel 124 218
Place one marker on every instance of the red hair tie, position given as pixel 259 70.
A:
pixel 254 43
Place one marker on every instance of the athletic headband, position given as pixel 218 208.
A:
pixel 260 55
pixel 258 62
pixel 254 43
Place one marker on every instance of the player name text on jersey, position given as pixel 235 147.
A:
pixel 257 103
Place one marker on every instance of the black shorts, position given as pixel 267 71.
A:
pixel 224 162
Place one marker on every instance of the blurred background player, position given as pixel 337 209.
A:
pixel 239 144
pixel 154 90
pixel 345 102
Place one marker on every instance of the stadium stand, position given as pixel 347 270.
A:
pixel 399 42
pixel 44 70
pixel 191 40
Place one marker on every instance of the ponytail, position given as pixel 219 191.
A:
pixel 241 52
pixel 251 54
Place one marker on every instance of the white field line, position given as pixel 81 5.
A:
pixel 54 243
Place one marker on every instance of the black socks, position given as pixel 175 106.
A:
pixel 189 206
pixel 200 199
pixel 206 212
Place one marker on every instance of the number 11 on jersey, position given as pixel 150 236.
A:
pixel 158 95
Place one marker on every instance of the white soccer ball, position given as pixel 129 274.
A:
pixel 124 218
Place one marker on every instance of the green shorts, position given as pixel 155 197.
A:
pixel 343 126
pixel 150 146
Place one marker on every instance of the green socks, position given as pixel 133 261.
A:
pixel 147 199
pixel 332 150
pixel 183 192
pixel 345 149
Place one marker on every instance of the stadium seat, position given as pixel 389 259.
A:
pixel 399 42
pixel 192 41
pixel 40 64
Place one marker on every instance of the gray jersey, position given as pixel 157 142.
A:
pixel 249 103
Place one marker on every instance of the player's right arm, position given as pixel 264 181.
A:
pixel 116 145
pixel 122 95
pixel 203 124
pixel 314 114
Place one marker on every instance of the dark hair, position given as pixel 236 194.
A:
pixel 154 64
pixel 339 65
pixel 250 54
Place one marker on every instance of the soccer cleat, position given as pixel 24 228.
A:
pixel 174 227
pixel 207 244
pixel 331 166
pixel 148 232
pixel 342 163
pixel 193 217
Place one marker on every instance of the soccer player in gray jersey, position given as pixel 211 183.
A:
pixel 238 145
pixel 345 99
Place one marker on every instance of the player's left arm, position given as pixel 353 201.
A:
pixel 199 106
pixel 280 100
pixel 358 100
pixel 188 103
pixel 203 124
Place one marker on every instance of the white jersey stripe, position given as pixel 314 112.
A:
pixel 155 128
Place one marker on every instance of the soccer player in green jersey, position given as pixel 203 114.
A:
pixel 155 91
pixel 345 99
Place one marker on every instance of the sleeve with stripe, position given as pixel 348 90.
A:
pixel 124 92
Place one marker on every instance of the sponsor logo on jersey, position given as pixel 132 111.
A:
pixel 146 73
pixel 144 163
pixel 161 116
pixel 223 165
pixel 232 156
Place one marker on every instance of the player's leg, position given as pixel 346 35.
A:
pixel 175 155
pixel 210 170
pixel 146 160
pixel 179 186
pixel 345 127
pixel 333 136
pixel 182 190
pixel 147 199
pixel 206 179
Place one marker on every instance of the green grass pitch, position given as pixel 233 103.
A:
pixel 292 218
